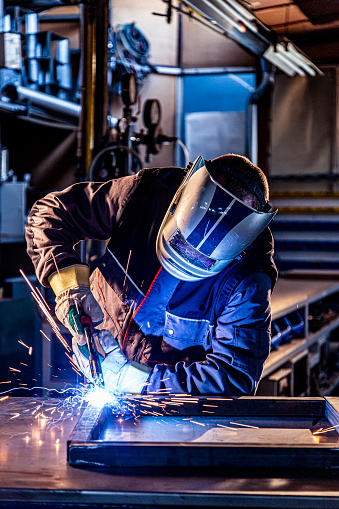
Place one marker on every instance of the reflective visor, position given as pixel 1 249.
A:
pixel 206 227
pixel 189 253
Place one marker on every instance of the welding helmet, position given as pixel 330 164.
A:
pixel 206 227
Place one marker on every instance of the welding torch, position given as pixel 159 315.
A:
pixel 90 335
pixel 94 361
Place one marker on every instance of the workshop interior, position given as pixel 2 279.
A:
pixel 97 90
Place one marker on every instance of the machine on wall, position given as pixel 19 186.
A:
pixel 122 156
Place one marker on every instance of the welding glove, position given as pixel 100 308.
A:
pixel 120 374
pixel 73 297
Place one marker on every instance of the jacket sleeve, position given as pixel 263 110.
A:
pixel 240 346
pixel 60 220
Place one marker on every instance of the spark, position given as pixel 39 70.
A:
pixel 321 430
pixel 228 427
pixel 8 382
pixel 30 350
pixel 22 343
pixel 207 412
pixel 220 399
pixel 245 425
pixel 57 268
pixel 216 406
pixel 23 364
pixel 45 309
pixel 5 397
pixel 13 369
pixel 42 332
pixel 129 257
pixel 14 416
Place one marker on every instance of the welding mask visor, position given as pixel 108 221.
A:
pixel 206 227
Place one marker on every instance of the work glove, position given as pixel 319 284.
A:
pixel 120 374
pixel 74 298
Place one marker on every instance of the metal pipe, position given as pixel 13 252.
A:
pixel 42 100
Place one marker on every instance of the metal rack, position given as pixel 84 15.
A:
pixel 292 364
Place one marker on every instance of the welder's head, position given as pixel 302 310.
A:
pixel 218 211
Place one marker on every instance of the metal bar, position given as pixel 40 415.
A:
pixel 43 100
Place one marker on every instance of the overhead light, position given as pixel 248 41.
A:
pixel 302 60
pixel 241 25
pixel 288 59
pixel 280 49
pixel 279 61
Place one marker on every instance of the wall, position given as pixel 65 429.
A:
pixel 201 47
pixel 303 128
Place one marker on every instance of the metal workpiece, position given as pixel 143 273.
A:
pixel 34 469
pixel 185 431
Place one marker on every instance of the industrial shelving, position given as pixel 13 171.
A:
pixel 299 358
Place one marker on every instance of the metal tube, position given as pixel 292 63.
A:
pixel 42 100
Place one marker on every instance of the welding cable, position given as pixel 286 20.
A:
pixel 185 151
pixel 139 307
pixel 132 39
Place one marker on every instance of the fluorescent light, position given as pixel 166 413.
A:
pixel 302 60
pixel 275 58
pixel 285 56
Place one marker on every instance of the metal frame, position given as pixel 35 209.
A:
pixel 86 446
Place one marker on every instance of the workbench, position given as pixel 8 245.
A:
pixel 34 471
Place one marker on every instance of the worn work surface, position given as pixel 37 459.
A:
pixel 33 467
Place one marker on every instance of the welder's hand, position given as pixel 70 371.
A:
pixel 120 374
pixel 73 297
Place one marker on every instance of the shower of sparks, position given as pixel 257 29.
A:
pixel 44 308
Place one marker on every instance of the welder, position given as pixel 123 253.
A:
pixel 181 297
